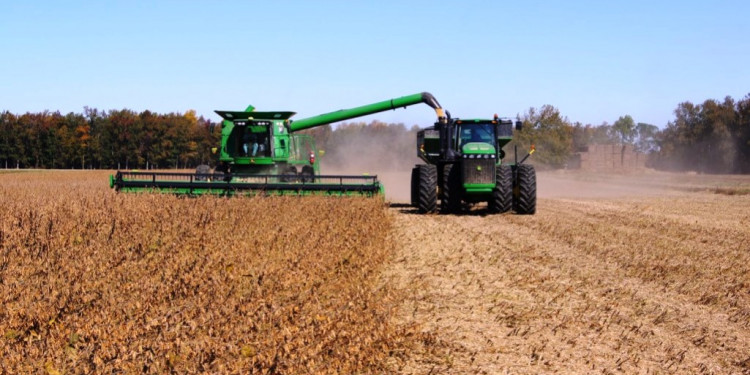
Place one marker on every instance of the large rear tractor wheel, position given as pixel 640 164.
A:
pixel 502 195
pixel 524 191
pixel 427 192
pixel 450 200
pixel 414 186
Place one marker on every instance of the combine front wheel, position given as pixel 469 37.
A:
pixel 290 174
pixel 307 174
pixel 202 172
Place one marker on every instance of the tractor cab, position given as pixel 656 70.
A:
pixel 475 137
pixel 482 137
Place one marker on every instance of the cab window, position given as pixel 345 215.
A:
pixel 484 133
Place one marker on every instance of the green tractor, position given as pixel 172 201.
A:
pixel 466 164
pixel 261 152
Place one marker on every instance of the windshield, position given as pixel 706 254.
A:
pixel 484 133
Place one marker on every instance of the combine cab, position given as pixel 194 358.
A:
pixel 261 153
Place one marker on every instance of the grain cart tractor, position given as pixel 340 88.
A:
pixel 261 152
pixel 465 164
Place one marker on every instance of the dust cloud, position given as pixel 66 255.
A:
pixel 577 184
pixel 387 151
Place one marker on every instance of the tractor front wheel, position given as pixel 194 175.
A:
pixel 415 186
pixel 502 195
pixel 450 200
pixel 524 191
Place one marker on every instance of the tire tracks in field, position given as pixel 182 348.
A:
pixel 583 286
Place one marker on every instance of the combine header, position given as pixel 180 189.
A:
pixel 261 153
pixel 244 184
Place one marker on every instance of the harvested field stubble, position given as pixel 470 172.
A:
pixel 97 282
pixel 657 284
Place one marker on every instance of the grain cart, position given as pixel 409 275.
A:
pixel 261 152
pixel 465 164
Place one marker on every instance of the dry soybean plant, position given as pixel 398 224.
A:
pixel 92 281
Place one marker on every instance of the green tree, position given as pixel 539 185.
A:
pixel 645 138
pixel 8 147
pixel 741 134
pixel 549 132
pixel 624 129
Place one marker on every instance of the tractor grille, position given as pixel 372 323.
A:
pixel 479 171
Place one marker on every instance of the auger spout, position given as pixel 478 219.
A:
pixel 346 114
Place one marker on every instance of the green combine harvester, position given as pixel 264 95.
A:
pixel 261 153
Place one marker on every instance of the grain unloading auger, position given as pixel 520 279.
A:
pixel 262 153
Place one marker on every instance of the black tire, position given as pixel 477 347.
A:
pixel 217 174
pixel 450 199
pixel 524 191
pixel 290 173
pixel 414 186
pixel 427 197
pixel 502 195
pixel 221 172
pixel 202 172
pixel 307 174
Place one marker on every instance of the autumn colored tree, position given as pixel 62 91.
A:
pixel 708 138
pixel 711 137
pixel 551 134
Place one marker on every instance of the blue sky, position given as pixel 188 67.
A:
pixel 593 60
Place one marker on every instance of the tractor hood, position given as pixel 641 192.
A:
pixel 477 148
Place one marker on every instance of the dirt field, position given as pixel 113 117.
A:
pixel 614 274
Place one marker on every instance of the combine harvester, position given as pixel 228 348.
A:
pixel 261 153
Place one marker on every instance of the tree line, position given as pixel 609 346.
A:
pixel 711 137
pixel 115 139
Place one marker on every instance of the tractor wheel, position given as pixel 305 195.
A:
pixel 307 174
pixel 502 195
pixel 524 191
pixel 289 172
pixel 450 200
pixel 414 186
pixel 427 197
